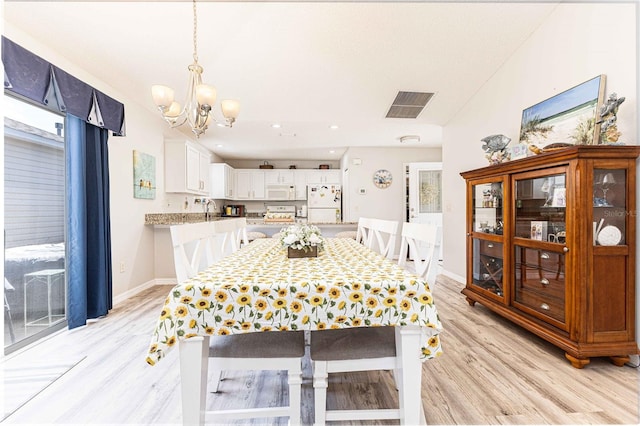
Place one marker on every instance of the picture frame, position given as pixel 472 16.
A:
pixel 144 175
pixel 568 118
pixel 559 197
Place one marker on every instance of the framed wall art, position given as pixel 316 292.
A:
pixel 144 175
pixel 568 118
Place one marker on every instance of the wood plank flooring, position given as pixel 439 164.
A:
pixel 492 372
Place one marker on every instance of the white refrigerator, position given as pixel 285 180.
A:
pixel 324 203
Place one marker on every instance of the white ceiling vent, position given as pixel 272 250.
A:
pixel 408 104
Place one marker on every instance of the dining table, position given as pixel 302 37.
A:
pixel 260 289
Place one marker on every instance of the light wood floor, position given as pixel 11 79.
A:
pixel 492 372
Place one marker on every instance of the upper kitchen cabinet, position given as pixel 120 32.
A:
pixel 279 177
pixel 186 167
pixel 250 184
pixel 329 177
pixel 300 182
pixel 222 181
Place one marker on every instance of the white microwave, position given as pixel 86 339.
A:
pixel 281 192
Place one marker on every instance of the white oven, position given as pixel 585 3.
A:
pixel 281 192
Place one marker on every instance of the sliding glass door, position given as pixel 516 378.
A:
pixel 34 223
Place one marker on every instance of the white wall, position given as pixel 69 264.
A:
pixel 577 42
pixel 131 242
pixel 388 203
pixel 599 40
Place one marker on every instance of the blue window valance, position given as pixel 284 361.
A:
pixel 30 76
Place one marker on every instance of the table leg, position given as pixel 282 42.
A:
pixel 408 342
pixel 194 363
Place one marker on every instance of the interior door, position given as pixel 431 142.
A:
pixel 425 196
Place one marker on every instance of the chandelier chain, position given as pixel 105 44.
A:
pixel 195 33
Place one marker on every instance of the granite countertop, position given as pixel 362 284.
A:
pixel 178 218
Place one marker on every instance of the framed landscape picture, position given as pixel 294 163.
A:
pixel 566 118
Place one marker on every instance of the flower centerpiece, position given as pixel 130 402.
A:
pixel 301 240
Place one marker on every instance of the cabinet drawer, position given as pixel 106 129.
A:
pixel 545 304
pixel 548 260
pixel 540 280
pixel 490 248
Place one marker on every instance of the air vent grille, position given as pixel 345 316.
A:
pixel 408 104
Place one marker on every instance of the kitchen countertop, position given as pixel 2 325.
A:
pixel 167 219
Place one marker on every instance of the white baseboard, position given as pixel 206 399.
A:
pixel 453 276
pixel 134 291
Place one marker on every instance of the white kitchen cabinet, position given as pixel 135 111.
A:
pixel 279 177
pixel 221 181
pixel 300 182
pixel 186 167
pixel 330 177
pixel 250 184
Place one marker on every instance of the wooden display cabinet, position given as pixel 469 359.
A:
pixel 551 246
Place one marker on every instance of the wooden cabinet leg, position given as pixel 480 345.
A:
pixel 577 362
pixel 471 302
pixel 620 360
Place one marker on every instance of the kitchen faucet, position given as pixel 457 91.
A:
pixel 207 203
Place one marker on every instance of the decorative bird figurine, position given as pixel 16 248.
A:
pixel 611 106
pixel 495 143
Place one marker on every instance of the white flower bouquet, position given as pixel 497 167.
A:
pixel 301 237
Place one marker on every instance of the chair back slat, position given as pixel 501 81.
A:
pixel 382 237
pixel 225 241
pixel 192 250
pixel 363 232
pixel 419 240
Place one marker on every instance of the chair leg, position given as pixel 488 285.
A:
pixel 320 383
pixel 295 391
pixel 397 378
pixel 217 378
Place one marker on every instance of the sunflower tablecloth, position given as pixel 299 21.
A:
pixel 259 289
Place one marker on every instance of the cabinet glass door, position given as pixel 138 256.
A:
pixel 540 208
pixel 609 207
pixel 540 282
pixel 487 208
pixel 488 265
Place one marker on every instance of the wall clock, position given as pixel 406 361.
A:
pixel 382 178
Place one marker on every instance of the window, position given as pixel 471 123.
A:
pixel 34 223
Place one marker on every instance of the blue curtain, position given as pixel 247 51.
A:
pixel 88 222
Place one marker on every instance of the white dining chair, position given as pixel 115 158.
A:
pixel 260 351
pixel 418 241
pixel 242 236
pixel 226 237
pixel 347 350
pixel 363 231
pixel 192 248
pixel 382 236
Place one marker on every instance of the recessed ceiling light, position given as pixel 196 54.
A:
pixel 332 151
pixel 276 125
pixel 409 138
pixel 333 127
pixel 219 145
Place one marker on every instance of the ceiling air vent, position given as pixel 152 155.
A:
pixel 408 104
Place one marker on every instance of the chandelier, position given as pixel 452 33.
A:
pixel 197 109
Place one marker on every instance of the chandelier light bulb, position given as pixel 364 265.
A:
pixel 206 94
pixel 174 110
pixel 230 108
pixel 162 95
